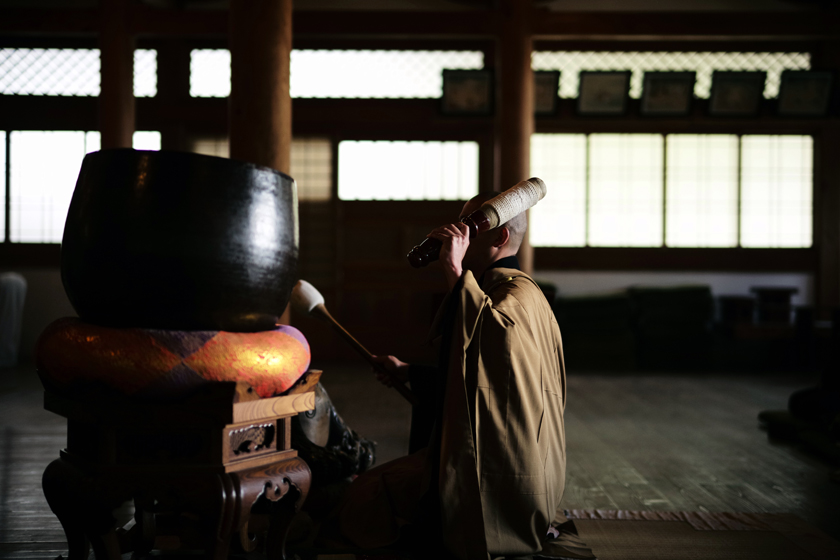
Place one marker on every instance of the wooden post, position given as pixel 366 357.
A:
pixel 827 200
pixel 515 103
pixel 827 222
pixel 260 103
pixel 173 88
pixel 116 96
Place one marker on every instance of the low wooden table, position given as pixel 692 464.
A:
pixel 209 460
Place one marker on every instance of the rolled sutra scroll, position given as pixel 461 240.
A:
pixel 493 213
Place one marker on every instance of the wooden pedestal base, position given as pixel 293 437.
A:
pixel 84 500
pixel 209 461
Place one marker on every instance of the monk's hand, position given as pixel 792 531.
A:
pixel 456 240
pixel 397 370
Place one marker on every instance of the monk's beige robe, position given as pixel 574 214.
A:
pixel 503 455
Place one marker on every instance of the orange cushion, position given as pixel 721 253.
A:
pixel 158 363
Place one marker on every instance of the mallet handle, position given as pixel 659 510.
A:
pixel 321 311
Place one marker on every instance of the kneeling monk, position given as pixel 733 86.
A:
pixel 491 472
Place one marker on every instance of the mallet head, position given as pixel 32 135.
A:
pixel 305 297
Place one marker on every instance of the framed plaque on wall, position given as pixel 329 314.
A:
pixel 467 92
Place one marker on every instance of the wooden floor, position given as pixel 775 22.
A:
pixel 687 442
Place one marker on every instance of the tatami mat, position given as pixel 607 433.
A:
pixel 645 535
pixel 679 535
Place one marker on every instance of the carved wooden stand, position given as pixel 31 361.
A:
pixel 211 459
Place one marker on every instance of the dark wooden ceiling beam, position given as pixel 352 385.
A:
pixel 149 21
pixel 41 22
pixel 697 26
pixel 334 25
pixel 546 25
pixel 396 24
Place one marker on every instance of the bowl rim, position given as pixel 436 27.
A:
pixel 151 153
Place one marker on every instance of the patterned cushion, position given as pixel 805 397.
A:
pixel 160 364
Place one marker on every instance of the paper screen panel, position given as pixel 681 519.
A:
pixel 625 190
pixel 559 219
pixel 776 191
pixel 702 190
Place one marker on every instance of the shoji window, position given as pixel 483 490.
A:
pixel 373 170
pixel 676 190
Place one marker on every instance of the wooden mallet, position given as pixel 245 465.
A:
pixel 307 300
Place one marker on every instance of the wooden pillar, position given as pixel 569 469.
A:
pixel 827 220
pixel 260 103
pixel 116 96
pixel 827 199
pixel 173 88
pixel 515 102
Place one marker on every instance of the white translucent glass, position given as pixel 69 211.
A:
pixel 146 140
pixel 375 73
pixel 776 191
pixel 625 190
pixel 44 168
pixel 311 168
pixel 210 73
pixel 701 208
pixel 559 220
pixel 49 72
pixel 145 73
pixel 374 170
pixel 311 165
pixel 571 63
pixel 217 146
pixel 343 73
pixel 2 185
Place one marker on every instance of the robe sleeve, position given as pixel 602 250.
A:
pixel 472 303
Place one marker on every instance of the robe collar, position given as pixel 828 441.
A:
pixel 505 262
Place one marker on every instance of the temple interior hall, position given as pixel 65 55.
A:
pixel 688 246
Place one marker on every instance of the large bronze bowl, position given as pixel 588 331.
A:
pixel 180 241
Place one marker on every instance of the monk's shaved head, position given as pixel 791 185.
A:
pixel 516 226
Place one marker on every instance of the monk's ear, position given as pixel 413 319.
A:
pixel 502 238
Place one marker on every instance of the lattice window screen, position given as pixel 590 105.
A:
pixel 343 74
pixel 375 74
pixel 49 72
pixel 210 73
pixel 145 73
pixel 68 72
pixel 570 63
